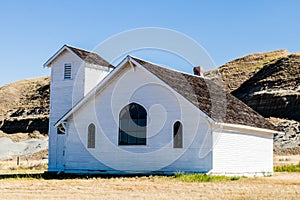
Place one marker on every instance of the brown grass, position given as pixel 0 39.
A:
pixel 279 186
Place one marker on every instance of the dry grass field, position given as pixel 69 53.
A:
pixel 279 186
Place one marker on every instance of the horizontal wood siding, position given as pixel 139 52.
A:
pixel 63 93
pixel 163 107
pixel 238 152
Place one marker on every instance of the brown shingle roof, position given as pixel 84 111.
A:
pixel 90 57
pixel 209 97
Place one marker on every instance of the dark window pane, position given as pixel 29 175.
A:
pixel 136 121
pixel 177 135
pixel 142 113
pixel 141 141
pixel 132 126
pixel 142 122
pixel 131 138
pixel 91 136
pixel 124 125
pixel 133 121
pixel 133 112
pixel 123 138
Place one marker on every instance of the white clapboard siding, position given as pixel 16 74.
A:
pixel 64 93
pixel 242 153
pixel 163 107
pixel 61 97
pixel 205 149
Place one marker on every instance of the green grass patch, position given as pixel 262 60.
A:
pixel 287 168
pixel 203 178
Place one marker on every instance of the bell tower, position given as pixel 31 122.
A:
pixel 74 72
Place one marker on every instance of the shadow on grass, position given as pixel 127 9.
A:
pixel 25 175
pixel 50 175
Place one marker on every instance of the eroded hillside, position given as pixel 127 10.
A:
pixel 269 83
pixel 235 72
pixel 274 91
pixel 24 106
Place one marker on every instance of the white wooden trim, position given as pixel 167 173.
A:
pixel 243 128
pixel 65 47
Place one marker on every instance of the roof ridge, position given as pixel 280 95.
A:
pixel 167 67
pixel 81 49
pixel 89 56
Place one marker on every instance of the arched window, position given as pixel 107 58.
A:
pixel 91 136
pixel 132 125
pixel 177 135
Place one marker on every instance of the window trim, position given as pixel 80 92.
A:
pixel 138 128
pixel 69 77
pixel 91 136
pixel 178 136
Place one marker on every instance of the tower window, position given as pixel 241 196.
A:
pixel 68 71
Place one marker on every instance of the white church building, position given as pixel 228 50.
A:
pixel 139 117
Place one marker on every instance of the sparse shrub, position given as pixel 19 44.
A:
pixel 287 168
pixel 235 178
pixel 267 174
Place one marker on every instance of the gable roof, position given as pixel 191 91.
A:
pixel 209 97
pixel 203 93
pixel 90 57
pixel 86 56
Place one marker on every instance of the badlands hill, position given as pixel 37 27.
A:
pixel 269 83
pixel 24 106
pixel 235 72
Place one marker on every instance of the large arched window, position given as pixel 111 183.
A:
pixel 91 136
pixel 132 125
pixel 177 135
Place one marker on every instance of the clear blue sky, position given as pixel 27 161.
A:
pixel 32 30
